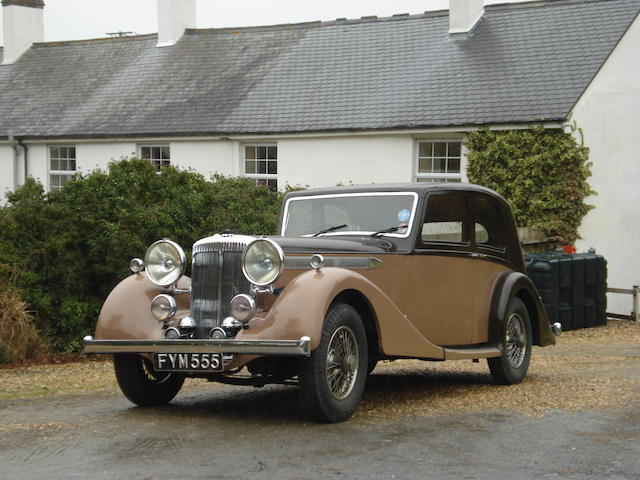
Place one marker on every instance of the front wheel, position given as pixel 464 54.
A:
pixel 141 384
pixel 332 379
pixel 512 366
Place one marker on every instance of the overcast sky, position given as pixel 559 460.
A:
pixel 77 19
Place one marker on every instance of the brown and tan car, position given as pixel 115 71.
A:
pixel 356 275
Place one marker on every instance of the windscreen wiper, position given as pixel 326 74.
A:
pixel 388 230
pixel 330 229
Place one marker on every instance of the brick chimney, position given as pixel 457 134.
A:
pixel 464 15
pixel 174 16
pixel 22 26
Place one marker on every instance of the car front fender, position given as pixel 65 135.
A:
pixel 302 305
pixel 126 313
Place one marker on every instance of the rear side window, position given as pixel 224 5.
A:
pixel 444 221
pixel 489 224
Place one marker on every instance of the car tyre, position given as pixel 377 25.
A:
pixel 332 380
pixel 515 343
pixel 141 384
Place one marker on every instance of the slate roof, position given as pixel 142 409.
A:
pixel 524 63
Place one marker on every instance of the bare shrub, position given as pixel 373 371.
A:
pixel 19 337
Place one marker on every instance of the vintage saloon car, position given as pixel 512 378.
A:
pixel 356 275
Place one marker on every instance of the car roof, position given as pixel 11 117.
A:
pixel 420 188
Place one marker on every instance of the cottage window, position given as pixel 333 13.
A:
pixel 261 164
pixel 439 161
pixel 159 155
pixel 62 165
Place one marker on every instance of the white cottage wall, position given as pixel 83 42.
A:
pixel 6 175
pixel 326 162
pixel 608 113
pixel 205 157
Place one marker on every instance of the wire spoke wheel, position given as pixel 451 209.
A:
pixel 342 363
pixel 516 338
pixel 516 342
pixel 333 378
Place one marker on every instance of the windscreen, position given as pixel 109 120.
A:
pixel 350 214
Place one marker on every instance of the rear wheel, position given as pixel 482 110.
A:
pixel 332 379
pixel 143 385
pixel 511 367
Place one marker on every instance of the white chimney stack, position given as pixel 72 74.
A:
pixel 464 15
pixel 22 26
pixel 174 16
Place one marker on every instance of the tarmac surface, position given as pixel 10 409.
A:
pixel 225 432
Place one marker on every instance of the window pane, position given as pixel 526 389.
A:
pixel 262 167
pixel 272 184
pixel 272 168
pixel 250 153
pixel 426 149
pixel 424 165
pixel 164 151
pixel 453 165
pixel 454 149
pixel 272 152
pixel 155 153
pixel 439 165
pixel 55 164
pixel 262 153
pixel 439 149
pixel 54 152
pixel 487 214
pixel 250 166
pixel 447 213
pixel 145 153
pixel 72 164
pixel 442 232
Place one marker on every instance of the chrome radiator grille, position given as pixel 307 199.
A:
pixel 216 277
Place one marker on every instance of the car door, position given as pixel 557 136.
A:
pixel 439 299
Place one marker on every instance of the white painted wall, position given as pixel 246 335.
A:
pixel 21 27
pixel 205 157
pixel 90 156
pixel 325 162
pixel 609 114
pixel 6 171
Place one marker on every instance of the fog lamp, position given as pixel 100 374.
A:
pixel 163 307
pixel 242 307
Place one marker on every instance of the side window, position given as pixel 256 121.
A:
pixel 444 221
pixel 489 226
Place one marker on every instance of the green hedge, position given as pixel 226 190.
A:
pixel 71 247
pixel 543 173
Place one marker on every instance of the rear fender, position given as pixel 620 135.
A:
pixel 301 307
pixel 516 284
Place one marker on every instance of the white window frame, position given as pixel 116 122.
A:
pixel 156 162
pixel 460 176
pixel 59 172
pixel 259 176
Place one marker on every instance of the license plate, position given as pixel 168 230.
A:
pixel 187 362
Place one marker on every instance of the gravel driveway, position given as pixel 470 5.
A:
pixel 576 416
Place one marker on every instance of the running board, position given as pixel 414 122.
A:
pixel 471 353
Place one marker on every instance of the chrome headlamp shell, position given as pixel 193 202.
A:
pixel 262 262
pixel 165 262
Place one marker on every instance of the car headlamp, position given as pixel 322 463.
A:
pixel 262 262
pixel 165 262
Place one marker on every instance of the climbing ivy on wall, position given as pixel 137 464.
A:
pixel 541 172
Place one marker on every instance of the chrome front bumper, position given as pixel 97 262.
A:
pixel 300 347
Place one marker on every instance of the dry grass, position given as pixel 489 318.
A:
pixel 19 339
pixel 590 369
